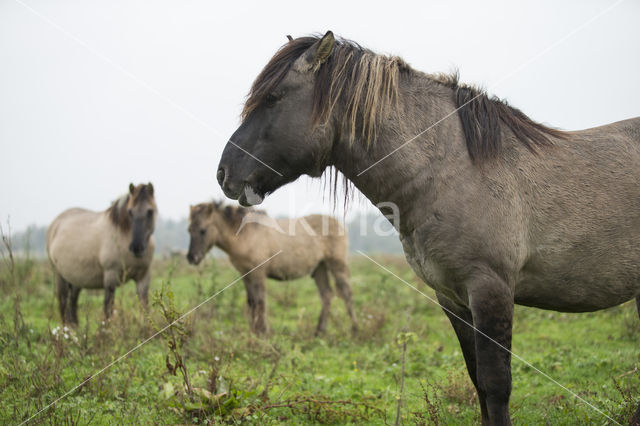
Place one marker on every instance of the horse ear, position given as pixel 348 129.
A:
pixel 317 54
pixel 150 188
pixel 324 49
pixel 131 188
pixel 289 38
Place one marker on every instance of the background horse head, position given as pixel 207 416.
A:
pixel 136 212
pixel 210 224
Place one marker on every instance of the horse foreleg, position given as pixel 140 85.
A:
pixel 340 272
pixel 63 296
pixel 462 322
pixel 256 299
pixel 72 309
pixel 491 304
pixel 142 288
pixel 321 278
pixel 111 281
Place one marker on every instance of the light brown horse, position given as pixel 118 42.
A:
pixel 103 249
pixel 494 208
pixel 315 245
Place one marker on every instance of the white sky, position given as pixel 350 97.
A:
pixel 151 91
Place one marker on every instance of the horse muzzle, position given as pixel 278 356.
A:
pixel 250 196
pixel 246 194
pixel 138 250
pixel 230 188
pixel 193 259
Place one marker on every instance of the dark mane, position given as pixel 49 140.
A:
pixel 118 213
pixel 364 85
pixel 361 82
pixel 143 193
pixel 233 215
pixel 482 118
pixel 274 72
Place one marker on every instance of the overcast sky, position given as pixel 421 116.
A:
pixel 94 95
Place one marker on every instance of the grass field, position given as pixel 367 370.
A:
pixel 292 377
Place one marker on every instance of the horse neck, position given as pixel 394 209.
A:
pixel 399 167
pixel 227 241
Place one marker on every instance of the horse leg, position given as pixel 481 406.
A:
pixel 142 288
pixel 340 271
pixel 256 299
pixel 251 302
pixel 72 310
pixel 491 303
pixel 462 322
pixel 111 281
pixel 321 278
pixel 63 296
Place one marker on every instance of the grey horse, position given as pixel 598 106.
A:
pixel 495 209
pixel 315 245
pixel 102 250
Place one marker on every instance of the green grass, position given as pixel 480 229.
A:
pixel 290 376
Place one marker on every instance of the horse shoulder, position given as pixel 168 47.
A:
pixel 471 224
pixel 113 251
pixel 249 248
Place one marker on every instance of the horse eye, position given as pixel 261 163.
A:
pixel 150 213
pixel 130 212
pixel 271 99
pixel 203 231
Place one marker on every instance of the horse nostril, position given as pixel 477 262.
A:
pixel 220 176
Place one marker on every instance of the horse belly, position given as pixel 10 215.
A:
pixel 571 291
pixel 293 266
pixel 74 254
pixel 77 267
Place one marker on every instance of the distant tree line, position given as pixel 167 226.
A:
pixel 369 233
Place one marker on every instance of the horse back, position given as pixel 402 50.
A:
pixel 303 242
pixel 330 235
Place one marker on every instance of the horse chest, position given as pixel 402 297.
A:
pixel 429 270
pixel 136 270
pixel 118 259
